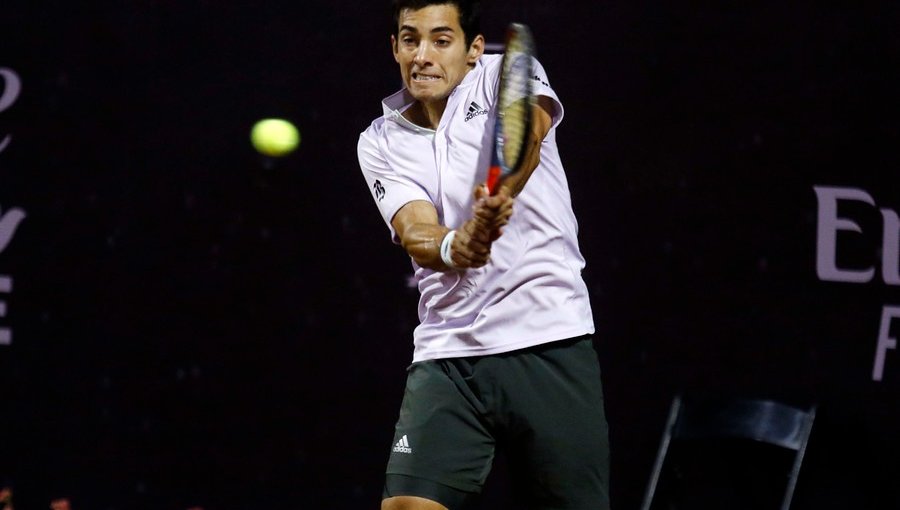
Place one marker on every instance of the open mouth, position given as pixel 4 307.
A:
pixel 424 77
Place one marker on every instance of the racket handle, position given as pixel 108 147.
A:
pixel 493 178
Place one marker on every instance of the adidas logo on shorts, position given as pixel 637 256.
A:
pixel 402 445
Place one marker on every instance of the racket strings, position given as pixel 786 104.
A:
pixel 515 104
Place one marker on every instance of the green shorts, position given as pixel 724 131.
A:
pixel 542 406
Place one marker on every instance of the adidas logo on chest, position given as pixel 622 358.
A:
pixel 475 110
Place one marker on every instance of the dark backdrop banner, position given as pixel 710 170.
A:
pixel 12 216
pixel 185 322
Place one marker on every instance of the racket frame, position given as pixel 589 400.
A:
pixel 500 168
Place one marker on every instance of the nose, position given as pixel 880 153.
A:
pixel 422 55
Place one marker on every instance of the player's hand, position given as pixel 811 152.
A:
pixel 471 247
pixel 492 213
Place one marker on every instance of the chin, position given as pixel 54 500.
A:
pixel 426 96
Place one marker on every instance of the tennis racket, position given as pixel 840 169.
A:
pixel 515 100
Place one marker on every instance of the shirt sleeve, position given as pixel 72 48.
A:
pixel 542 88
pixel 390 190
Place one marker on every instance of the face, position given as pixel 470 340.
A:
pixel 430 47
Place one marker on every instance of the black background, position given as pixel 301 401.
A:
pixel 195 324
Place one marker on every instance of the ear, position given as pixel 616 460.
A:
pixel 394 48
pixel 476 50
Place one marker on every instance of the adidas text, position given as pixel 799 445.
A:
pixel 402 445
pixel 472 115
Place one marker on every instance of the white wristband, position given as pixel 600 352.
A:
pixel 445 249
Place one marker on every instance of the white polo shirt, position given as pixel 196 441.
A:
pixel 531 292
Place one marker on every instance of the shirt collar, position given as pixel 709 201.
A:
pixel 395 104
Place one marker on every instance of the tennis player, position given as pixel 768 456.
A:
pixel 503 356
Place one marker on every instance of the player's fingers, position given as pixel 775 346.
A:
pixel 487 214
pixel 494 205
pixel 480 245
pixel 498 199
pixel 503 217
pixel 479 255
pixel 471 242
pixel 495 202
pixel 479 229
pixel 500 220
pixel 464 258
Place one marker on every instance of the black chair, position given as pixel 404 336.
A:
pixel 728 454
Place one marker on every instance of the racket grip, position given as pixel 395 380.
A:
pixel 493 178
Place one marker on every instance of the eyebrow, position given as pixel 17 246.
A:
pixel 433 30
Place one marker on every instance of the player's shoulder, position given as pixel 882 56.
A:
pixel 374 130
pixel 370 139
pixel 491 62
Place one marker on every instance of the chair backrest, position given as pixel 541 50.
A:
pixel 719 424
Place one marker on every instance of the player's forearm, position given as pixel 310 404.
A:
pixel 516 182
pixel 541 122
pixel 422 241
pixel 470 246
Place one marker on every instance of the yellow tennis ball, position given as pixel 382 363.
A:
pixel 274 137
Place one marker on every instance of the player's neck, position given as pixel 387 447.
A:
pixel 426 115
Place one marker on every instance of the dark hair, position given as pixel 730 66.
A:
pixel 469 14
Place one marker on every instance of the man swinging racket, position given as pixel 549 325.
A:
pixel 503 359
